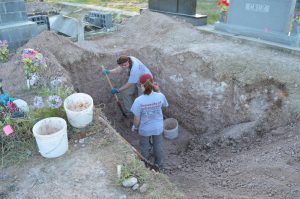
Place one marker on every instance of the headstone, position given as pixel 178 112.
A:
pixel 14 24
pixel 183 8
pixel 264 19
pixel 163 5
pixel 187 7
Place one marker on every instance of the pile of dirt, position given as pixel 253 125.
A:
pixel 227 95
pixel 215 82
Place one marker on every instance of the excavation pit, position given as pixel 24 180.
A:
pixel 227 96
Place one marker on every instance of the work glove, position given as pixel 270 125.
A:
pixel 134 128
pixel 105 72
pixel 114 91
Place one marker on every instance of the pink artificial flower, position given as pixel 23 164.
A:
pixel 12 107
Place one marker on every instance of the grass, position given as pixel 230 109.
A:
pixel 134 169
pixel 206 7
pixel 20 145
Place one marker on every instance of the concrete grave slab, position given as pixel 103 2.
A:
pixel 265 19
pixel 14 24
pixel 65 25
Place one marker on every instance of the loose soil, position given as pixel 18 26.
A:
pixel 237 103
pixel 79 106
pixel 48 130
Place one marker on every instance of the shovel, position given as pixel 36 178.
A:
pixel 117 99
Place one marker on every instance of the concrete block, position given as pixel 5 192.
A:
pixel 2 9
pixel 24 16
pixel 100 19
pixel 17 34
pixel 14 6
pixel 13 17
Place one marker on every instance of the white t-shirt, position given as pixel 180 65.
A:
pixel 138 69
pixel 149 109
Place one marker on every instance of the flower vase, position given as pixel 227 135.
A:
pixel 223 16
pixel 295 28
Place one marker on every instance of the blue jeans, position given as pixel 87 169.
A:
pixel 157 148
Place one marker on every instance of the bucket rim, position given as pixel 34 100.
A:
pixel 87 95
pixel 170 119
pixel 53 134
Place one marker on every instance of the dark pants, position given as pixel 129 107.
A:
pixel 157 148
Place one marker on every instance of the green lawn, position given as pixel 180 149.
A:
pixel 207 7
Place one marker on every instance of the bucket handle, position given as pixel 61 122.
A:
pixel 56 145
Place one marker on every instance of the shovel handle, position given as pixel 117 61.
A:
pixel 110 84
pixel 117 99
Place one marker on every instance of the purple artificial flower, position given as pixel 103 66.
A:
pixel 54 101
pixel 3 43
pixel 38 102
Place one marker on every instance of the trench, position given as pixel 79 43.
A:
pixel 219 117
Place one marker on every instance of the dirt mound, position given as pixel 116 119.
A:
pixel 211 83
pixel 221 90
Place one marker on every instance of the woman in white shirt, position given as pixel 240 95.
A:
pixel 135 70
pixel 148 118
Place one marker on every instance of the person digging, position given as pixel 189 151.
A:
pixel 135 70
pixel 148 119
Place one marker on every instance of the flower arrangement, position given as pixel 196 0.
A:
pixel 54 101
pixel 49 102
pixel 34 63
pixel 297 16
pixel 6 113
pixel 38 102
pixel 223 4
pixel 295 25
pixel 4 52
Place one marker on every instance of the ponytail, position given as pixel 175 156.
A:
pixel 148 87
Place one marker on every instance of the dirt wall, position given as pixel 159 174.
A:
pixel 210 82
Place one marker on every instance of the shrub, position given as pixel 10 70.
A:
pixel 4 52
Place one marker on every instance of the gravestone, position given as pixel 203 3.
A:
pixel 265 19
pixel 184 8
pixel 14 24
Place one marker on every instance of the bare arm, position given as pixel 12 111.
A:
pixel 136 121
pixel 118 69
pixel 125 86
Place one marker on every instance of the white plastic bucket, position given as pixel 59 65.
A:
pixel 79 109
pixel 170 128
pixel 51 136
